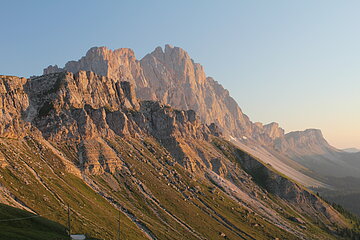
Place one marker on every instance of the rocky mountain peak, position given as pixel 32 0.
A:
pixel 168 75
pixel 120 65
pixel 274 130
pixel 271 130
pixel 178 64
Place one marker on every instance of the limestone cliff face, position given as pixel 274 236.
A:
pixel 172 77
pixel 95 105
pixel 13 102
pixel 119 65
pixel 266 134
pixel 85 109
pixel 67 106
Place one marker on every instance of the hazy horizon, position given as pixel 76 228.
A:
pixel 292 63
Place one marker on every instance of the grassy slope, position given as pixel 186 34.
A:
pixel 37 228
pixel 47 188
pixel 205 212
pixel 159 195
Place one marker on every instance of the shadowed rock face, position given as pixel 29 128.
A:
pixel 91 105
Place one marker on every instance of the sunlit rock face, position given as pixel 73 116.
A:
pixel 177 80
pixel 85 108
pixel 119 65
pixel 170 76
pixel 13 102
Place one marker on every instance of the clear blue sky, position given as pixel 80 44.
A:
pixel 293 62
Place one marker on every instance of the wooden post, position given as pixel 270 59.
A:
pixel 119 226
pixel 69 225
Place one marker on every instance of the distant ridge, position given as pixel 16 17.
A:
pixel 351 150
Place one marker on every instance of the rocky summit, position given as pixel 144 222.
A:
pixel 156 145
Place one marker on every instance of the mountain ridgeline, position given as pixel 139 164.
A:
pixel 170 76
pixel 109 135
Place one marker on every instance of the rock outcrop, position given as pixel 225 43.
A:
pixel 85 108
pixel 13 102
pixel 74 106
pixel 273 130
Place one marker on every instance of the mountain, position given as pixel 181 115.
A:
pixel 303 142
pixel 170 76
pixel 310 149
pixel 29 226
pixel 84 140
pixel 351 150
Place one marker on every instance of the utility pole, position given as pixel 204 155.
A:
pixel 119 226
pixel 69 226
